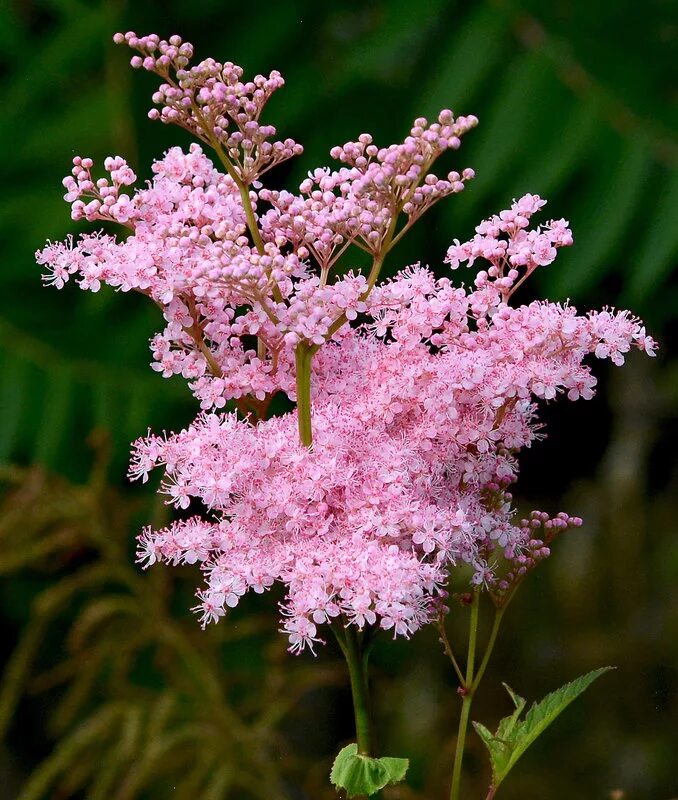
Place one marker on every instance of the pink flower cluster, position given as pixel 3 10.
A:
pixel 504 241
pixel 416 433
pixel 188 250
pixel 419 409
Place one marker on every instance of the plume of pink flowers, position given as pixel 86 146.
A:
pixel 421 394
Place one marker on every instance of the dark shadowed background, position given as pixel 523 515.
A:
pixel 110 689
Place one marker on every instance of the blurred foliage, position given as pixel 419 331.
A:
pixel 577 101
pixel 142 701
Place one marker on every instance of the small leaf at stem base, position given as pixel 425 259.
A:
pixel 358 774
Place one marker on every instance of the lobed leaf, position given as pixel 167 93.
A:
pixel 507 725
pixel 362 775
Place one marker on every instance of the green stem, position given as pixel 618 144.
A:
pixel 303 357
pixel 498 615
pixel 250 217
pixel 472 681
pixel 448 649
pixel 357 670
pixel 467 688
pixel 243 189
pixel 472 638
pixel 461 740
pixel 357 655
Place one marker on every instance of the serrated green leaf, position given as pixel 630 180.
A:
pixel 486 735
pixel 396 767
pixel 498 750
pixel 507 725
pixel 513 738
pixel 362 775
pixel 518 701
pixel 542 714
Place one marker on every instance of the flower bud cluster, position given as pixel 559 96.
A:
pixel 312 309
pixel 534 548
pixel 212 101
pixel 319 225
pixel 397 177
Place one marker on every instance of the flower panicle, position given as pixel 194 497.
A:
pixel 422 392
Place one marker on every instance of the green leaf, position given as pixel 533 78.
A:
pixel 359 774
pixel 507 725
pixel 513 738
pixel 499 751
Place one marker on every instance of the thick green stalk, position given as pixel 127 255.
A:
pixel 356 651
pixel 303 357
pixel 467 689
pixel 357 670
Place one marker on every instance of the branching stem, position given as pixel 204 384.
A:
pixel 498 615
pixel 447 647
pixel 472 679
pixel 467 689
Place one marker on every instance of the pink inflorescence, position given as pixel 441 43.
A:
pixel 419 409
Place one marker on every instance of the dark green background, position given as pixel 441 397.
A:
pixel 577 102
